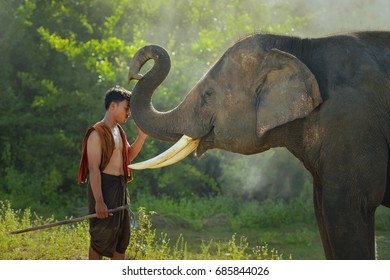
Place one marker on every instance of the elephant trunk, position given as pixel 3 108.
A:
pixel 160 125
pixel 166 126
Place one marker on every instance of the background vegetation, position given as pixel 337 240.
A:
pixel 58 57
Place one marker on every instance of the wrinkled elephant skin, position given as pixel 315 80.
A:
pixel 327 100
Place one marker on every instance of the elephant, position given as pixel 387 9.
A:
pixel 325 99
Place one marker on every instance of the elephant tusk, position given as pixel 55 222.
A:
pixel 180 155
pixel 177 152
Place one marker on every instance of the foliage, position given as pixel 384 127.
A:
pixel 71 242
pixel 44 244
pixel 382 220
pixel 238 213
pixel 58 57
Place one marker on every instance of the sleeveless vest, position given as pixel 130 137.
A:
pixel 108 145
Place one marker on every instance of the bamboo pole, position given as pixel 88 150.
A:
pixel 75 220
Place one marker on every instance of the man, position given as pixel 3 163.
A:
pixel 105 157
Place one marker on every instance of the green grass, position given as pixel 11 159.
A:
pixel 237 214
pixel 214 228
pixel 71 242
pixel 67 242
pixel 297 241
pixel 289 227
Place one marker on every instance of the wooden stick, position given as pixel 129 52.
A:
pixel 75 220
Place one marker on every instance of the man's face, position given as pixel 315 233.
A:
pixel 121 111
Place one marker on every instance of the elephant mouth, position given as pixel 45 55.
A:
pixel 205 143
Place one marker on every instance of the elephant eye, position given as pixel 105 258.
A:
pixel 206 96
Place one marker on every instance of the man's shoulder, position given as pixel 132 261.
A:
pixel 101 128
pixel 93 138
pixel 99 124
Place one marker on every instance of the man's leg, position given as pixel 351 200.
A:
pixel 93 255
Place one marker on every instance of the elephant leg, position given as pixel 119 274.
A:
pixel 321 222
pixel 350 183
pixel 350 196
pixel 350 230
pixel 345 233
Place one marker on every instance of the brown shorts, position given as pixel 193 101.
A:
pixel 113 233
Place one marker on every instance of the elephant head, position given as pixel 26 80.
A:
pixel 247 93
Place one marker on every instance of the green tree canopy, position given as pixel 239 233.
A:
pixel 58 58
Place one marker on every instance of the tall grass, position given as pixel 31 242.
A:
pixel 72 242
pixel 268 217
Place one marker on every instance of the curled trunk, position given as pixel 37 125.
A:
pixel 160 125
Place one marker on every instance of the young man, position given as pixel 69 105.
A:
pixel 105 157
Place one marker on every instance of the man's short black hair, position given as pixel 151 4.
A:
pixel 116 94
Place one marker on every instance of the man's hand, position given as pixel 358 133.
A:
pixel 135 148
pixel 101 210
pixel 141 134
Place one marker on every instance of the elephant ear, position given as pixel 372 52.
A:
pixel 286 90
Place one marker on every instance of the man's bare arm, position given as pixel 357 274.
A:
pixel 135 148
pixel 94 153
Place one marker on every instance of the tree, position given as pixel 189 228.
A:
pixel 59 57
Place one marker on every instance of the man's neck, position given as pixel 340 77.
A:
pixel 107 120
